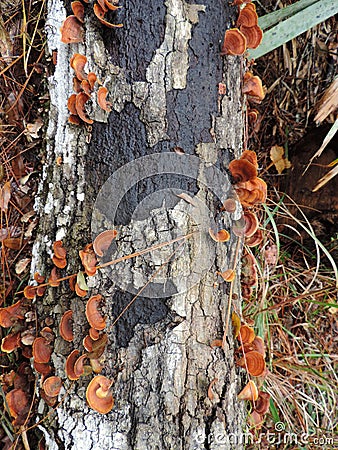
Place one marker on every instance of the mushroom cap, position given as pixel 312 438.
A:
pixel 262 404
pixel 252 86
pixel 254 35
pixel 71 30
pixel 249 392
pixel 229 205
pixel 80 101
pixel 228 275
pixel 59 263
pixel 71 104
pixel 253 362
pixel 255 239
pixel 29 292
pixel 251 223
pixel 250 156
pixel 100 13
pixel 91 79
pixel 39 278
pixel 78 10
pixel 249 271
pixel 88 259
pixel 246 334
pixel 43 368
pixel 59 250
pixel 247 16
pixel 94 317
pixel 41 350
pixel 70 363
pixel 79 365
pixel 99 395
pixel 66 326
pixel 103 241
pixel 11 314
pixel 102 99
pixel 53 279
pixel 242 170
pixel 220 236
pixel 10 342
pixel 234 42
pixel 17 402
pixel 78 62
pixel 52 386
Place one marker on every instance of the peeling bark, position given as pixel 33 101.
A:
pixel 162 71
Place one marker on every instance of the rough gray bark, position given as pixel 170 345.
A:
pixel 162 71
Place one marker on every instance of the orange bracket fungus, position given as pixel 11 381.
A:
pixel 247 16
pixel 101 12
pixel 66 326
pixel 52 386
pixel 78 62
pixel 246 334
pixel 249 392
pixel 70 363
pixel 103 240
pixel 18 405
pixel 99 395
pixel 11 342
pixel 234 42
pixel 253 362
pixel 10 314
pixel 41 350
pixel 88 259
pixel 101 99
pixel 80 101
pixel 220 236
pixel 242 170
pixel 78 10
pixel 252 86
pixel 71 30
pixel 253 35
pixel 94 317
pixel 251 223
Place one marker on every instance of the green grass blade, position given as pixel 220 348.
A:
pixel 275 17
pixel 295 25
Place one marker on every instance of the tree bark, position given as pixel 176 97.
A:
pixel 162 70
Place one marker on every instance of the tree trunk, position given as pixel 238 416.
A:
pixel 162 70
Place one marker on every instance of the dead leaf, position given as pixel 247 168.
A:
pixel 328 103
pixel 80 279
pixel 278 158
pixel 25 218
pixel 12 243
pixel 22 265
pixel 30 229
pixel 5 196
pixel 236 323
pixel 32 129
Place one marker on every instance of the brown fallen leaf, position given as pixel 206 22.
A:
pixel 5 196
pixel 22 265
pixel 12 243
pixel 278 158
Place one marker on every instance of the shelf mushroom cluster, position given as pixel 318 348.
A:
pixel 72 31
pixel 84 87
pixel 247 33
pixel 253 361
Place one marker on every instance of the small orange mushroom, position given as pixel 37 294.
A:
pixel 10 314
pixel 59 250
pixel 253 362
pixel 91 79
pixel 251 223
pixel 250 156
pixel 249 271
pixel 80 101
pixel 66 326
pixel 78 10
pixel 79 368
pixel 110 5
pixel 41 350
pixel 242 170
pixel 255 239
pixel 102 99
pixel 80 292
pixel 103 241
pixel 247 16
pixel 228 275
pixel 70 363
pixel 86 87
pixel 94 334
pixel 262 404
pixel 53 279
pixel 220 236
pixel 29 292
pixel 59 263
pixel 71 104
pixel 249 392
pixel 100 13
pixel 88 343
pixel 71 31
pixel 17 401
pixel 39 278
pixel 229 205
pixel 246 334
pixel 234 42
pixel 78 62
pixel 88 259
pixel 52 386
pixel 253 35
pixel 99 394
pixel 74 119
pixel 11 342
pixel 43 368
pixel 94 317
pixel 252 86
pixel 77 85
